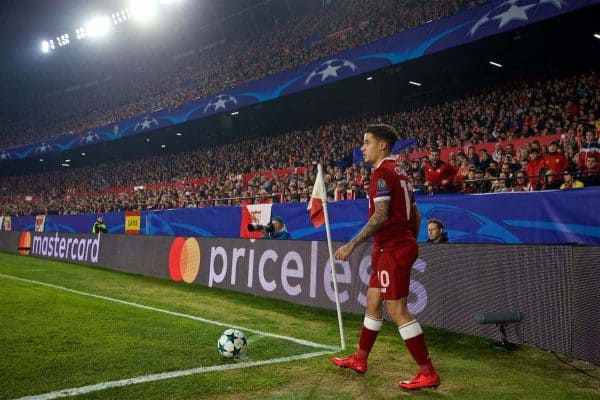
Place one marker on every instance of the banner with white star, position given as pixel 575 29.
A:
pixel 492 18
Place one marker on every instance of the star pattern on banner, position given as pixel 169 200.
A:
pixel 517 11
pixel 220 102
pixel 331 69
pixel 514 12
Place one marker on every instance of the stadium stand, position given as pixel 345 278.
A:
pixel 518 115
pixel 134 88
pixel 526 113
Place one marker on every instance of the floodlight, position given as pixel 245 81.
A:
pixel 414 83
pixel 63 39
pixel 80 32
pixel 45 46
pixel 142 10
pixel 597 35
pixel 98 26
pixel 495 64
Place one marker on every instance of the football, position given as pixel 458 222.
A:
pixel 232 343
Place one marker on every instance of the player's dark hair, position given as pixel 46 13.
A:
pixel 384 132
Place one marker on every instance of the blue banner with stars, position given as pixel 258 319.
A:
pixel 546 217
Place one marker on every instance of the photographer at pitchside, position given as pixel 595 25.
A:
pixel 273 230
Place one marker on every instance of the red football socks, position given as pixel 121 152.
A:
pixel 368 335
pixel 413 337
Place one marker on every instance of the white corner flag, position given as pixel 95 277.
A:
pixel 317 207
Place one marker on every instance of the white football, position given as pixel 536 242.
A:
pixel 232 343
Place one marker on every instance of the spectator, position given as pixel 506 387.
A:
pixel 590 175
pixel 469 185
pixel 498 153
pixel 534 166
pixel 521 183
pixel 570 181
pixel 436 232
pixel 555 161
pixel 501 184
pixel 591 148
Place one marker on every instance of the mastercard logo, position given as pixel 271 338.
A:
pixel 184 259
pixel 25 243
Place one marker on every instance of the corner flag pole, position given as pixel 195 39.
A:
pixel 333 278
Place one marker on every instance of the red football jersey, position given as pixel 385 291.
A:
pixel 389 182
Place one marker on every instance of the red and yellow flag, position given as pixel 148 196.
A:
pixel 133 222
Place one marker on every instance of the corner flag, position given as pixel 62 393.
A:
pixel 319 196
pixel 317 207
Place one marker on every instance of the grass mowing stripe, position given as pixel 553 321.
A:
pixel 208 321
pixel 166 375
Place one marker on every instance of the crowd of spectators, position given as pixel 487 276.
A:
pixel 530 167
pixel 566 107
pixel 148 84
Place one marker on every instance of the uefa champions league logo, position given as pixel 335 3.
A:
pixel 43 148
pixel 147 122
pixel 89 137
pixel 330 68
pixel 4 155
pixel 221 102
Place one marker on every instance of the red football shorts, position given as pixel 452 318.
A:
pixel 390 270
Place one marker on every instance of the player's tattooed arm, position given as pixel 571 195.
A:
pixel 373 225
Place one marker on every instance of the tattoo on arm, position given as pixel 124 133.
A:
pixel 374 224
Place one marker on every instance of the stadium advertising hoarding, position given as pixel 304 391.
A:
pixel 552 286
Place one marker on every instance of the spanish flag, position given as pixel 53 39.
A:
pixel 133 222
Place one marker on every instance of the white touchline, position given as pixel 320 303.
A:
pixel 208 321
pixel 172 374
pixel 165 375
